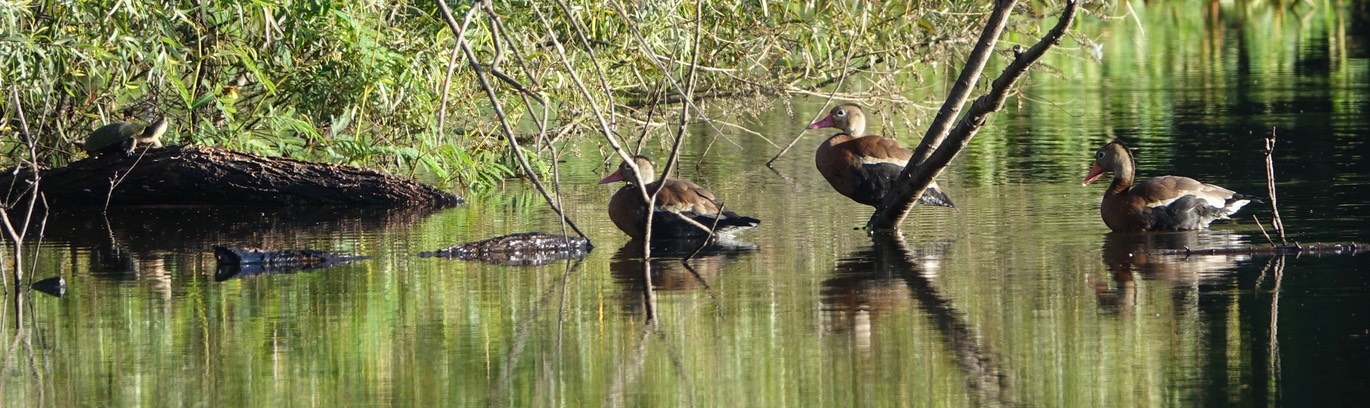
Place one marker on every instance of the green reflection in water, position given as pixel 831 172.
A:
pixel 1017 298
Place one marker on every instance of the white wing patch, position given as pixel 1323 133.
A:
pixel 1225 208
pixel 876 160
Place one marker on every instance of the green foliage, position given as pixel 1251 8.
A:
pixel 362 82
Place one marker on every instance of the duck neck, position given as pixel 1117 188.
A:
pixel 648 176
pixel 1122 177
pixel 856 129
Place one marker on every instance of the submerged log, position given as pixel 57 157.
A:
pixel 197 175
pixel 244 262
pixel 55 286
pixel 1350 248
pixel 523 249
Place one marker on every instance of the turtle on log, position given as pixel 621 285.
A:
pixel 125 136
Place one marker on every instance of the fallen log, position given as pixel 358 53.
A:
pixel 245 262
pixel 522 249
pixel 198 175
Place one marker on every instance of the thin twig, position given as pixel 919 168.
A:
pixel 1262 228
pixel 525 95
pixel 744 129
pixel 646 122
pixel 504 121
pixel 1270 186
pixel 674 156
pixel 119 179
pixel 589 49
pixel 712 229
pixel 451 61
pixel 42 231
pixel 841 79
pixel 599 115
pixel 17 235
pixel 690 77
pixel 632 27
pixel 604 124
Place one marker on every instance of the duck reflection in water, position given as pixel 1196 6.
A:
pixel 873 280
pixel 889 276
pixel 1128 256
pixel 676 265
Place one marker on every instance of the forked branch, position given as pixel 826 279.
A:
pixel 924 167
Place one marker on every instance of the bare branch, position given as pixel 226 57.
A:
pixel 451 61
pixel 919 172
pixel 1270 186
pixel 840 79
pixel 16 236
pixel 504 122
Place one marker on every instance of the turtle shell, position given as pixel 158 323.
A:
pixel 111 137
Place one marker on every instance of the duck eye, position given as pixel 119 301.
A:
pixel 840 112
pixel 1099 155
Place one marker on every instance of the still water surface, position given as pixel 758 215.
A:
pixel 1020 297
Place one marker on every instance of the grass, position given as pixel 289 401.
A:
pixel 382 85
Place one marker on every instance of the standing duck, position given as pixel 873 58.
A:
pixel 683 209
pixel 1165 203
pixel 863 167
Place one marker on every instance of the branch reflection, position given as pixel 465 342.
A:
pixel 529 329
pixel 888 276
pixel 673 266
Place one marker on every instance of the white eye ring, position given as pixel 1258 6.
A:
pixel 841 112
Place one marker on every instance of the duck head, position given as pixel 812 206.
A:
pixel 847 118
pixel 1114 157
pixel 625 171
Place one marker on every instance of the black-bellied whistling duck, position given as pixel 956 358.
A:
pixel 683 209
pixel 864 167
pixel 1165 203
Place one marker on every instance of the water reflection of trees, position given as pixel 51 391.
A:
pixel 889 275
pixel 529 328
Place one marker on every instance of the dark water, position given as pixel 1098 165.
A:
pixel 1019 298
